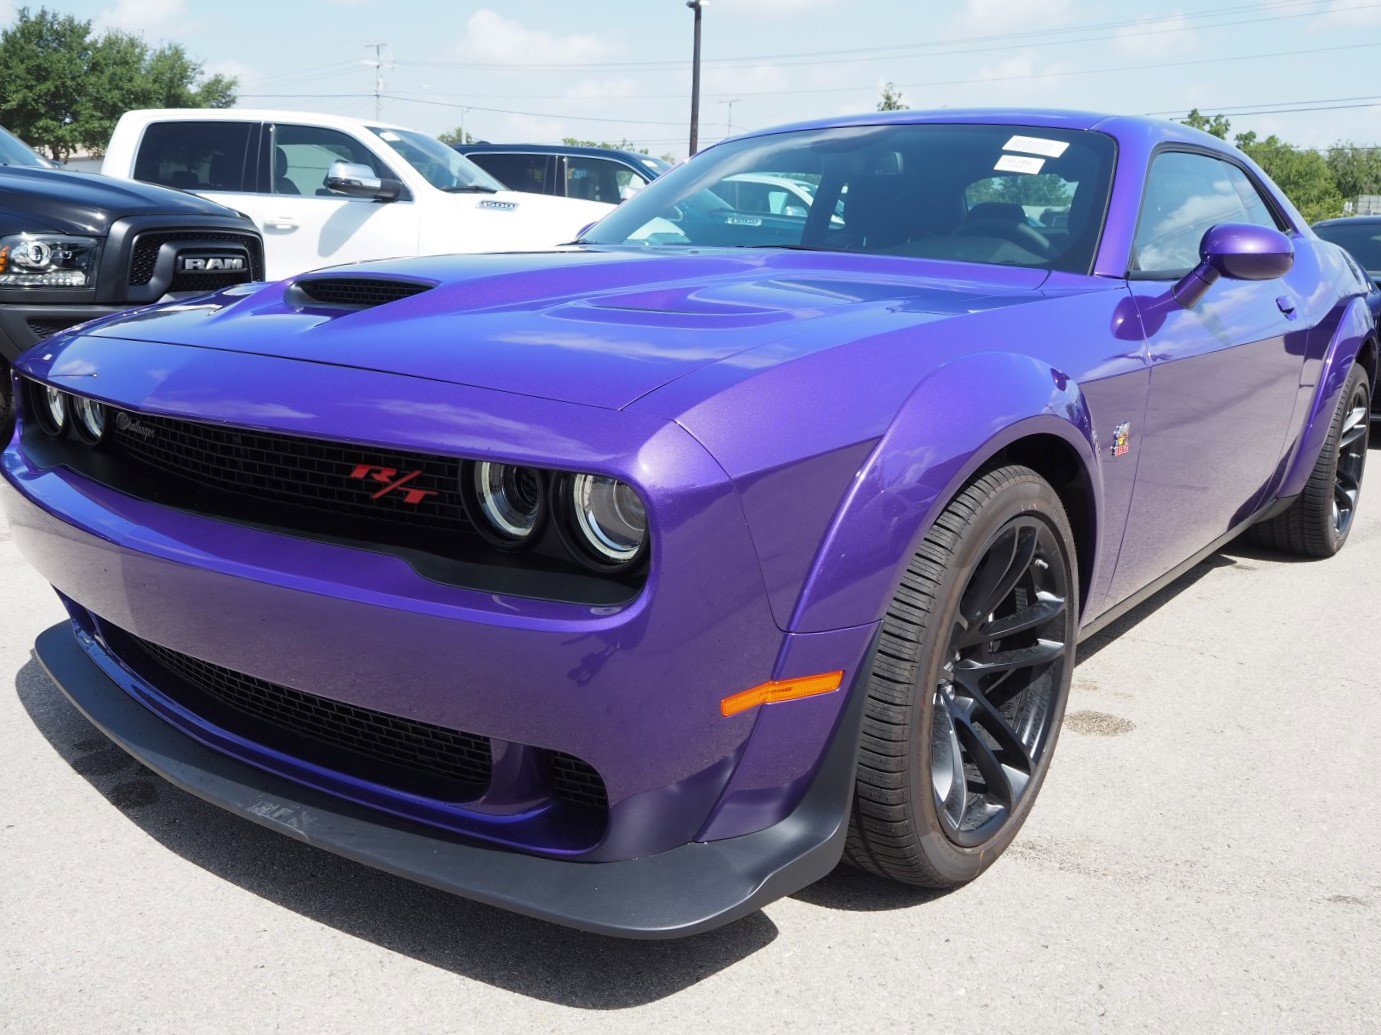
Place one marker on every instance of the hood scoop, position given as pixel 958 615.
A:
pixel 351 292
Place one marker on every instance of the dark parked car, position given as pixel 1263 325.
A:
pixel 74 246
pixel 635 584
pixel 1361 237
pixel 591 173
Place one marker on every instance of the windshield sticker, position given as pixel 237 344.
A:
pixel 393 137
pixel 1037 146
pixel 1019 164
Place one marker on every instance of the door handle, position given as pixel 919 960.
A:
pixel 1285 305
pixel 281 223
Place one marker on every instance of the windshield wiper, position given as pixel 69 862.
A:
pixel 788 247
pixel 471 188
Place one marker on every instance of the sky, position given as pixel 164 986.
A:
pixel 540 70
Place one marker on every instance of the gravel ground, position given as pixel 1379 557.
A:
pixel 1203 858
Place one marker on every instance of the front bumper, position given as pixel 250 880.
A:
pixel 683 891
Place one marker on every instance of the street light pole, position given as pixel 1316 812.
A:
pixel 696 6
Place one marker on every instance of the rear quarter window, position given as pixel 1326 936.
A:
pixel 197 156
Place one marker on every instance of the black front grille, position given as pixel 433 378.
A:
pixel 356 292
pixel 309 474
pixel 575 782
pixel 144 261
pixel 385 749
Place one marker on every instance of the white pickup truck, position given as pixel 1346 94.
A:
pixel 326 189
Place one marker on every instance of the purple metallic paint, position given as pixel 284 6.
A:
pixel 795 422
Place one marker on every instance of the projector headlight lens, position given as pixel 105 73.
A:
pixel 90 418
pixel 52 409
pixel 610 519
pixel 511 500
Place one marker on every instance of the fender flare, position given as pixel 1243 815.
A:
pixel 1354 332
pixel 951 425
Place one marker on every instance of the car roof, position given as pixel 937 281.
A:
pixel 1143 127
pixel 258 115
pixel 1348 220
pixel 558 149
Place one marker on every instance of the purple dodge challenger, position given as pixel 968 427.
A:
pixel 634 584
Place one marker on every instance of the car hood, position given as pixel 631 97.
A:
pixel 601 327
pixel 87 203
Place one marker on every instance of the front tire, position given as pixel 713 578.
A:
pixel 1320 520
pixel 968 685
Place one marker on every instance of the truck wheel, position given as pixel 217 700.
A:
pixel 968 685
pixel 1318 523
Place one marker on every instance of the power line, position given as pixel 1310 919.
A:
pixel 1147 27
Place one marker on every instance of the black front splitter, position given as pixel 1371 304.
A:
pixel 690 889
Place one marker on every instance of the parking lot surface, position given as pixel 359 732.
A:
pixel 1203 858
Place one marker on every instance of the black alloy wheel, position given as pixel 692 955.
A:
pixel 967 685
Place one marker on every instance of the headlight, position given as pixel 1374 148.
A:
pixel 48 260
pixel 610 519
pixel 89 418
pixel 507 502
pixel 51 404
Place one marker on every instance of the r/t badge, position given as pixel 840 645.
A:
pixel 1122 440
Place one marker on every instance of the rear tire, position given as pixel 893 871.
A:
pixel 1319 522
pixel 968 685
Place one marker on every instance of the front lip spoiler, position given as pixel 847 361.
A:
pixel 684 891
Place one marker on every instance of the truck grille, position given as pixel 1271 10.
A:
pixel 145 258
pixel 310 475
pixel 340 736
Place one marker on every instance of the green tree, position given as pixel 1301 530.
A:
pixel 1303 175
pixel 452 137
pixel 65 88
pixel 1356 170
pixel 1218 125
pixel 892 99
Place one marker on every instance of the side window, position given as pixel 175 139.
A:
pixel 593 179
pixel 302 155
pixel 1186 194
pixel 527 173
pixel 199 156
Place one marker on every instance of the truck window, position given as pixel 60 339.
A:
pixel 526 173
pixel 198 156
pixel 303 154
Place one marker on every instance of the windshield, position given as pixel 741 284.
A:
pixel 1001 195
pixel 14 152
pixel 1362 239
pixel 439 165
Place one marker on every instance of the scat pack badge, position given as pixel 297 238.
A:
pixel 1122 440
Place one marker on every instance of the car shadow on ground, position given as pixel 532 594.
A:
pixel 474 941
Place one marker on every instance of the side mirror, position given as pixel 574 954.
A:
pixel 1238 251
pixel 360 181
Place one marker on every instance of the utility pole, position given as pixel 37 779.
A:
pixel 697 6
pixel 378 64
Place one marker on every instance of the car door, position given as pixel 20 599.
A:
pixel 1225 373
pixel 598 179
pixel 305 224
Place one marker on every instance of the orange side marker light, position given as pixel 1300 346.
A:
pixel 781 690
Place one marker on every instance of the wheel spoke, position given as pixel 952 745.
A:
pixel 947 763
pixel 1000 571
pixel 996 781
pixel 1046 608
pixel 1018 755
pixel 1041 652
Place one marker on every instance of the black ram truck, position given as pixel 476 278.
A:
pixel 75 246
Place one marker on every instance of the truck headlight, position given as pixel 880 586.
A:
pixel 48 260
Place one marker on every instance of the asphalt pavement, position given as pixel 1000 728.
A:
pixel 1203 858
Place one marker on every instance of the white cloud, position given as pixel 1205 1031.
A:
pixel 990 16
pixel 7 12
pixel 1154 36
pixel 490 37
pixel 768 8
pixel 150 17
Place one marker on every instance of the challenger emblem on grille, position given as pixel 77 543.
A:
pixel 125 422
pixel 392 481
